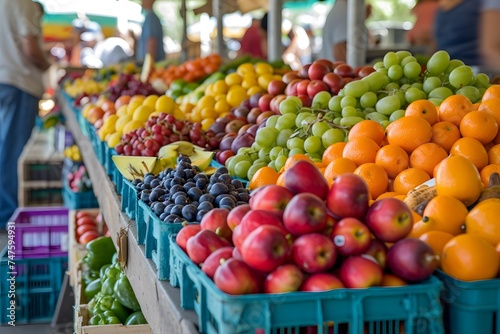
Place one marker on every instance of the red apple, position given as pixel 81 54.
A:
pixel 222 156
pixel 334 81
pixel 251 221
pixel 303 72
pixel 266 248
pixel 285 278
pixel 235 215
pixel 204 243
pixel 365 71
pixel 291 88
pixel 235 277
pixel 253 114
pixel 306 100
pixel 302 87
pixel 262 118
pixel 185 233
pixel 254 100
pixel 360 271
pixel 314 252
pixel 276 87
pixel 389 219
pixel 304 176
pixel 378 250
pixel 351 237
pixel 264 102
pixel 237 254
pixel 274 105
pixel 317 71
pixel 326 63
pixel 411 259
pixel 305 213
pixel 290 76
pixel 272 198
pixel 348 196
pixel 214 260
pixel 344 71
pixel 216 220
pixel 316 86
pixel 321 282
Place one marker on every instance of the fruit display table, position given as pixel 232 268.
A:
pixel 159 301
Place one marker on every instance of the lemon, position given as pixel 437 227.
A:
pixel 132 106
pixel 264 80
pixel 114 139
pixel 195 115
pixel 263 68
pixel 206 123
pixel 150 101
pixel 233 79
pixel 108 126
pixel 206 101
pixel 255 89
pixel 245 68
pixel 179 114
pixel 86 109
pixel 137 98
pixel 142 113
pixel 220 97
pixel 222 106
pixel 219 87
pixel 132 125
pixel 121 122
pixel 165 104
pixel 122 110
pixel 249 82
pixel 236 95
pixel 209 113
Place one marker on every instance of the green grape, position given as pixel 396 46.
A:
pixel 334 103
pixel 261 161
pixel 294 151
pixel 337 120
pixel 272 164
pixel 385 124
pixel 418 85
pixel 407 60
pixel 414 94
pixel 461 76
pixel 405 87
pixel 376 116
pixel 253 169
pixel 241 168
pixel 378 65
pixel 395 72
pixel 254 155
pixel 390 59
pixel 440 93
pixel 454 63
pixel 412 70
pixel 383 71
pixel 266 137
pixel 280 162
pixel 391 87
pixel 286 121
pixel 356 88
pixel 471 92
pixel 380 96
pixel 369 110
pixel 349 111
pixel 255 146
pixel 348 101
pixel 482 90
pixel 321 100
pixel 301 117
pixel 438 62
pixel 275 152
pixel 295 142
pixel 404 80
pixel 401 96
pixel 388 105
pixel 375 81
pixel 396 115
pixel 402 55
pixel 341 93
pixel 332 136
pixel 290 105
pixel 312 144
pixel 437 102
pixel 319 128
pixel 283 137
pixel 482 81
pixel 264 154
pixel 368 100
pixel 360 114
pixel 431 83
pixel 316 156
pixel 350 120
pixel 244 150
pixel 272 120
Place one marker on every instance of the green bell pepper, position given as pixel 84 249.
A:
pixel 95 320
pixel 105 303
pixel 100 251
pixel 113 272
pixel 102 271
pixel 93 304
pixel 109 318
pixel 120 311
pixel 108 286
pixel 136 318
pixel 124 293
pixel 114 259
pixel 89 276
pixel 92 289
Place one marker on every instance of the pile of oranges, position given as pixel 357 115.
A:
pixel 457 144
pixel 189 71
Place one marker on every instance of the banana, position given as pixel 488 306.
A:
pixel 135 167
pixel 199 157
pixel 416 198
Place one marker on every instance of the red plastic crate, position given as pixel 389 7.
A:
pixel 40 232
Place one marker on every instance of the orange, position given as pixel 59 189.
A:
pixel 294 158
pixel 360 150
pixel 470 258
pixel 476 105
pixel 445 134
pixel 491 106
pixel 482 220
pixel 368 128
pixel 471 149
pixel 388 194
pixel 281 180
pixel 487 171
pixel 457 176
pixel 454 108
pixel 479 125
pixel 427 156
pixel 445 213
pixel 492 92
pixel 494 154
pixel 264 176
pixel 416 216
pixel 333 152
pixel 423 108
pixel 409 179
pixel 419 228
pixel 409 132
pixel 337 167
pixel 393 159
pixel 375 176
pixel 392 280
pixel 400 197
pixel 436 240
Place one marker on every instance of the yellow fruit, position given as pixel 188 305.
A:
pixel 264 80
pixel 150 101
pixel 206 123
pixel 233 79
pixel 108 126
pixel 114 139
pixel 165 104
pixel 86 109
pixel 255 89
pixel 142 113
pixel 222 106
pixel 219 87
pixel 236 95
pixel 122 110
pixel 206 101
pixel 245 68
pixel 179 114
pixel 121 122
pixel 249 82
pixel 209 113
pixel 263 68
pixel 132 106
pixel 132 125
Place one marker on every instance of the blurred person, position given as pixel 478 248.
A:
pixel 489 36
pixel 254 41
pixel 422 33
pixel 299 52
pixel 151 40
pixel 113 50
pixel 22 63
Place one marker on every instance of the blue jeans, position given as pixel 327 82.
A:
pixel 18 112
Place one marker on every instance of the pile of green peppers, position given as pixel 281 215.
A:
pixel 111 299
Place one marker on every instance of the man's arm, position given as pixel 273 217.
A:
pixel 151 46
pixel 32 50
pixel 490 39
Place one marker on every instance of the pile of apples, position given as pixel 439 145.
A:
pixel 305 236
pixel 88 226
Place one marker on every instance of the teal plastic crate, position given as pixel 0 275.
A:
pixel 109 165
pixel 78 200
pixel 82 122
pixel 37 285
pixel 156 238
pixel 118 180
pixel 129 198
pixel 378 310
pixel 179 261
pixel 470 307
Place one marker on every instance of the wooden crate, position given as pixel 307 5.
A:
pixel 81 325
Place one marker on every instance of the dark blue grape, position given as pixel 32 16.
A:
pixel 237 183
pixel 227 201
pixel 222 170
pixel 201 183
pixel 181 200
pixel 225 178
pixel 218 189
pixel 206 198
pixel 176 210
pixel 170 218
pixel 243 197
pixel 205 206
pixel 200 215
pixel 189 185
pixel 189 212
pixel 194 194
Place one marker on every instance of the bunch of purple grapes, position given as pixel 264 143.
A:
pixel 162 130
pixel 128 84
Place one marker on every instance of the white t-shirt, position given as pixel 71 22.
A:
pixel 18 19
pixel 335 29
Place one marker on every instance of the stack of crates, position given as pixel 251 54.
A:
pixel 33 264
pixel 40 171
